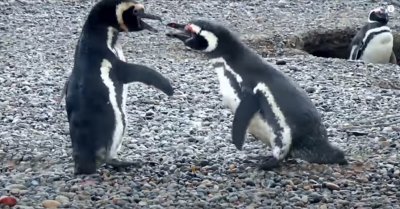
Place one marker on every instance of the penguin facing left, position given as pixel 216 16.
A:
pixel 264 101
pixel 96 90
pixel 373 43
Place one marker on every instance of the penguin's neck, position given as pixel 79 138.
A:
pixel 237 55
pixel 377 23
pixel 99 35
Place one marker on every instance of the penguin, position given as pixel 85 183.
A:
pixel 373 43
pixel 96 90
pixel 265 102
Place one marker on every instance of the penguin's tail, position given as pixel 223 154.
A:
pixel 317 149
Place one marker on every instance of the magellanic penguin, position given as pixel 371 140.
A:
pixel 264 101
pixel 373 43
pixel 96 90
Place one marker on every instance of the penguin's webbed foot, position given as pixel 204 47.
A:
pixel 117 164
pixel 269 163
pixel 357 61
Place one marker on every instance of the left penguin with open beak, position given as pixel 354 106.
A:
pixel 96 90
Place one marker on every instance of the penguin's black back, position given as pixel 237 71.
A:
pixel 91 121
pixel 292 100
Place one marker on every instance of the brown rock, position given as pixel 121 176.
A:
pixel 332 186
pixel 52 204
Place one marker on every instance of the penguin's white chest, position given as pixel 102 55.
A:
pixel 379 49
pixel 258 127
pixel 119 113
pixel 230 97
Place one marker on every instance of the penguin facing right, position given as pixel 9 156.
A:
pixel 373 43
pixel 264 101
pixel 96 90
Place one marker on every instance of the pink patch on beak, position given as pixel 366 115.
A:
pixel 189 28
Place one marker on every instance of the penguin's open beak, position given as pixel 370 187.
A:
pixel 183 35
pixel 141 15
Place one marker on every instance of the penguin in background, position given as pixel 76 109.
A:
pixel 373 43
pixel 96 90
pixel 265 102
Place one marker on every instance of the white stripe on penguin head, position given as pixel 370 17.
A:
pixel 211 39
pixel 121 8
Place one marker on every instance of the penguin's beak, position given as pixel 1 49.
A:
pixel 183 35
pixel 141 15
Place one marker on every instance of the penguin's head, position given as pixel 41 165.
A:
pixel 124 15
pixel 202 35
pixel 379 14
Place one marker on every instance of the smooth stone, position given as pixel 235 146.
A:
pixel 51 204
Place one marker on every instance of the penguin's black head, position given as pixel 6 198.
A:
pixel 203 36
pixel 124 15
pixel 379 14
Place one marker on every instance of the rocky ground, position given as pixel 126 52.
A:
pixel 184 140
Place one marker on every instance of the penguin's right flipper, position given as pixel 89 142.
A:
pixel 128 73
pixel 247 108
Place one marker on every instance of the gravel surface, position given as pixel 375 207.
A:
pixel 184 140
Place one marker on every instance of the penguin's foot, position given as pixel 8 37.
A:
pixel 357 61
pixel 122 163
pixel 269 163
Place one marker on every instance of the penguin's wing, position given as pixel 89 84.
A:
pixel 248 106
pixel 356 45
pixel 355 49
pixel 393 58
pixel 357 42
pixel 63 91
pixel 127 73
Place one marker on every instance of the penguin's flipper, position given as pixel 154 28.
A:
pixel 247 108
pixel 128 73
pixel 393 59
pixel 355 49
pixel 63 92
pixel 281 139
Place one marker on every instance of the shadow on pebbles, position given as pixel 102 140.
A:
pixel 183 141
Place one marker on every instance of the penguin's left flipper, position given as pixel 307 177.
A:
pixel 247 108
pixel 128 73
